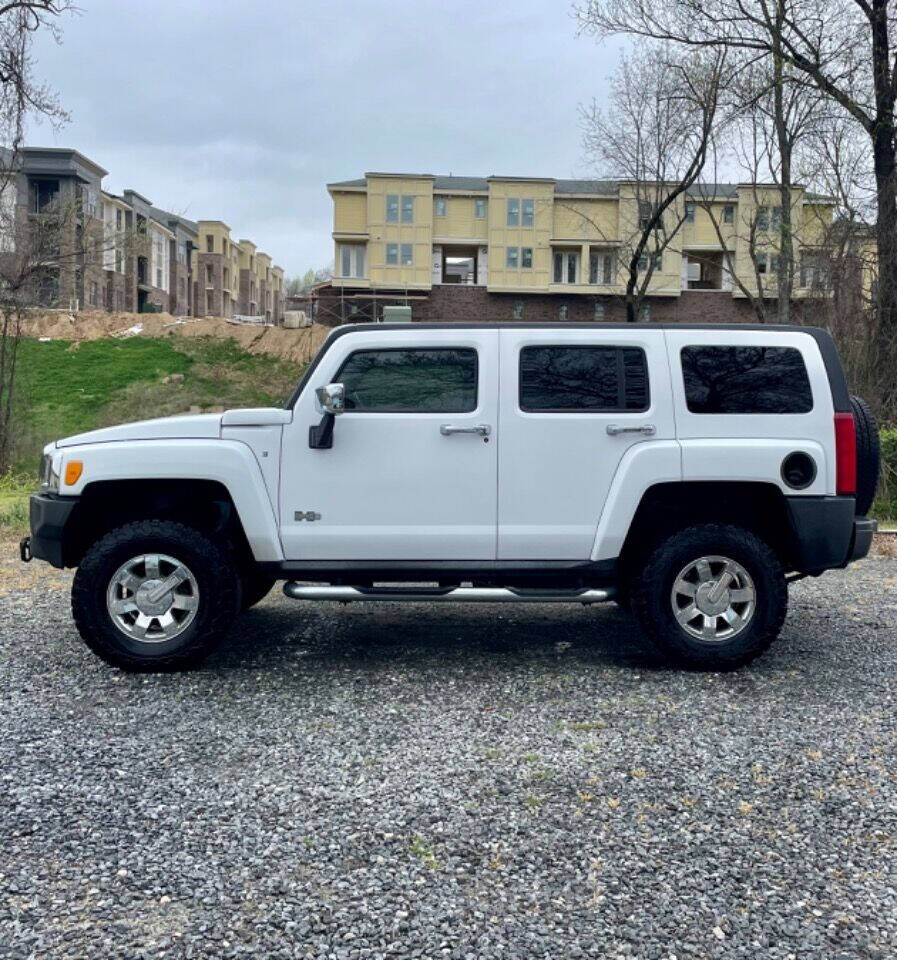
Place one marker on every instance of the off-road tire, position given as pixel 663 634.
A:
pixel 255 587
pixel 219 595
pixel 868 455
pixel 651 586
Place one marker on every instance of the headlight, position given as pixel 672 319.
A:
pixel 49 478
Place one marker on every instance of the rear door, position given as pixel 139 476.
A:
pixel 574 401
pixel 411 474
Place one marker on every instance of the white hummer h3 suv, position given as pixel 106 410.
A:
pixel 686 471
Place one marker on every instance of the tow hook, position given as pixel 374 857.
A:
pixel 25 549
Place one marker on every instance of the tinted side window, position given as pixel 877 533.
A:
pixel 591 379
pixel 410 381
pixel 746 380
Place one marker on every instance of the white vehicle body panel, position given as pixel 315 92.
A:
pixel 229 462
pixel 752 446
pixel 556 470
pixel 203 426
pixel 392 487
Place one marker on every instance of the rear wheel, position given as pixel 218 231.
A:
pixel 154 595
pixel 868 455
pixel 711 596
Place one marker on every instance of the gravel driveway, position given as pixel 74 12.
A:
pixel 468 782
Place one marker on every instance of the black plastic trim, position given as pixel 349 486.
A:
pixel 863 531
pixel 496 572
pixel 836 379
pixel 49 515
pixel 822 532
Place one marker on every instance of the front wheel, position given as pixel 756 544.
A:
pixel 154 595
pixel 712 596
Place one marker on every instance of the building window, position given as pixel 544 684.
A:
pixel 767 263
pixel 159 278
pixel 351 259
pixel 566 266
pixel 645 211
pixel 210 243
pixel 598 313
pixel 526 258
pixel 41 194
pixel 526 219
pixel 657 260
pixel 407 209
pixel 93 292
pixel 513 213
pixel 407 255
pixel 517 312
pixel 118 261
pixel 689 213
pixel 728 213
pixel 392 208
pixel 512 258
pixel 644 313
pixel 440 206
pixel 392 254
pixel 562 312
pixel 479 208
pixel 118 219
pixel 209 274
pixel 601 268
pixel 776 218
pixel 811 270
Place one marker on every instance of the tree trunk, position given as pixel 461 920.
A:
pixel 884 153
pixel 785 273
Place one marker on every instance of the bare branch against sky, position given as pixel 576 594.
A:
pixel 243 112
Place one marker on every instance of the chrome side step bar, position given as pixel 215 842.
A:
pixel 446 594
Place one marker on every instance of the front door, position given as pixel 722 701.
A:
pixel 412 471
pixel 574 403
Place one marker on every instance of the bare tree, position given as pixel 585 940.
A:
pixel 842 47
pixel 26 246
pixel 654 137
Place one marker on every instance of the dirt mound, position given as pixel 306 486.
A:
pixel 297 346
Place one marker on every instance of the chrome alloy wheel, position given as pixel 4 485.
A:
pixel 152 598
pixel 713 599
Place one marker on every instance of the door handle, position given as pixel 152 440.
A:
pixel 480 429
pixel 647 429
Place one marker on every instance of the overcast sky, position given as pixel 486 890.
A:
pixel 242 112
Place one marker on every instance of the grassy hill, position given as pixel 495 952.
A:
pixel 68 387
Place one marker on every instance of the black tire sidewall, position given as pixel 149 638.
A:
pixel 652 589
pixel 217 581
pixel 868 455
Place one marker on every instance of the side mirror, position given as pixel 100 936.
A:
pixel 332 398
pixel 333 402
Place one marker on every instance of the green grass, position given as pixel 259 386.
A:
pixel 65 388
pixel 14 504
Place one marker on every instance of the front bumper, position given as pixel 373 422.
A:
pixel 49 516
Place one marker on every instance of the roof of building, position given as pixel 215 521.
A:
pixel 608 188
pixel 166 218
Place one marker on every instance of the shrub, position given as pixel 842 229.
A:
pixel 885 507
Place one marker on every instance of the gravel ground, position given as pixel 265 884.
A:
pixel 421 781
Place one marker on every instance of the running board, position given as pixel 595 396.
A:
pixel 446 594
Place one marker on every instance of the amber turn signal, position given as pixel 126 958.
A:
pixel 73 471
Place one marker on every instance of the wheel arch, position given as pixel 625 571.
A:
pixel 666 508
pixel 104 505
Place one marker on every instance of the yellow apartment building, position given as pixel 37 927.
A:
pixel 542 248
